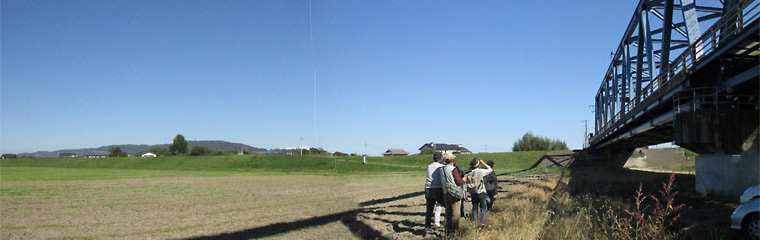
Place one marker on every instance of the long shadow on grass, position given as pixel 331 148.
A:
pixel 348 218
pixel 404 226
pixel 278 228
pixel 391 199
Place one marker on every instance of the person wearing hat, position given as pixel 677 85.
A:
pixel 451 176
pixel 433 191
pixel 477 189
pixel 492 184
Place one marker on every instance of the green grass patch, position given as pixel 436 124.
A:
pixel 689 153
pixel 52 173
pixel 187 166
pixel 133 167
pixel 503 162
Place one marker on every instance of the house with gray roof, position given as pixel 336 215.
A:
pixel 444 148
pixel 98 154
pixel 395 152
pixel 67 155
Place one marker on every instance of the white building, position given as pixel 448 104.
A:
pixel 149 154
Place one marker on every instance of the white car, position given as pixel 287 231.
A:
pixel 747 216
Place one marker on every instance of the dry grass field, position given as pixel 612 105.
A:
pixel 377 206
pixel 295 206
pixel 572 204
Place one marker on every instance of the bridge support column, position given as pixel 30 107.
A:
pixel 728 175
pixel 726 134
pixel 611 156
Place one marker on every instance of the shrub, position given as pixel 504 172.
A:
pixel 530 142
pixel 199 151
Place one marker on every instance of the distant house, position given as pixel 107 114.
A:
pixel 444 148
pixel 67 155
pixel 97 154
pixel 290 150
pixel 395 152
pixel 8 155
pixel 149 154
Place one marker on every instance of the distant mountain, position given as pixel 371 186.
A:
pixel 132 149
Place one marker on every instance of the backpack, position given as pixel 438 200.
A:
pixel 453 190
pixel 490 181
pixel 473 184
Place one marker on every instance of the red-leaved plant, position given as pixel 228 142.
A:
pixel 638 225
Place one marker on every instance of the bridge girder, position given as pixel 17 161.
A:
pixel 632 78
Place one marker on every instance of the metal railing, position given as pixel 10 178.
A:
pixel 672 75
pixel 695 99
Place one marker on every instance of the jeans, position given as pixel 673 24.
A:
pixel 432 195
pixel 479 201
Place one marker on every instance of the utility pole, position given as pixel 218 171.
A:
pixel 486 148
pixel 585 133
pixel 300 146
pixel 364 159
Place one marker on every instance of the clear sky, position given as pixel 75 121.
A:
pixel 393 74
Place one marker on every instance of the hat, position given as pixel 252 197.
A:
pixel 448 157
pixel 474 162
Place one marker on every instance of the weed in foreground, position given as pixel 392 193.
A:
pixel 640 225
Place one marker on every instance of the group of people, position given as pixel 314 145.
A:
pixel 447 186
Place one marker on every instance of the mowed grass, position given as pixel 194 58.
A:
pixel 46 173
pixel 136 167
pixel 290 206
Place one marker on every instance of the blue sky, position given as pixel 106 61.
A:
pixel 393 74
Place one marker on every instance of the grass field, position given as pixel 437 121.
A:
pixel 259 196
pixel 35 169
pixel 187 207
pixel 316 197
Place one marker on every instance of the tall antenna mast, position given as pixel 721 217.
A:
pixel 311 43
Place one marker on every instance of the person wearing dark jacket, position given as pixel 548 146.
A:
pixel 492 185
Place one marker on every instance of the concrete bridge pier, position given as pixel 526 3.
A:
pixel 726 137
pixel 728 175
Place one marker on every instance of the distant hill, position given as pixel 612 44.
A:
pixel 132 149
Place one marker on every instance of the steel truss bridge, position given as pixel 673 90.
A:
pixel 682 70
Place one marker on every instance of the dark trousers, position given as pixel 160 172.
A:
pixel 453 212
pixel 432 195
pixel 491 195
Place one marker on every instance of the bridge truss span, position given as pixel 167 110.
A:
pixel 669 47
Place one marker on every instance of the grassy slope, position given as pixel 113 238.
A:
pixel 503 162
pixel 109 168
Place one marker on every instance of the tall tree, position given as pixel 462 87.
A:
pixel 116 152
pixel 179 146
